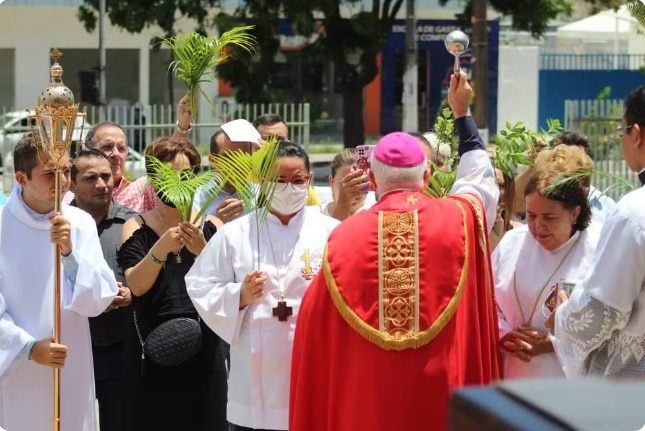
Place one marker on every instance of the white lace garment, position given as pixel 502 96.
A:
pixel 600 330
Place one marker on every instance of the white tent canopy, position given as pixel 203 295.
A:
pixel 607 21
pixel 609 31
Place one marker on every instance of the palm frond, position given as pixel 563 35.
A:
pixel 237 36
pixel 179 186
pixel 235 167
pixel 219 181
pixel 196 57
pixel 618 182
pixel 252 175
pixel 265 173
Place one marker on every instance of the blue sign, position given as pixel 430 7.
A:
pixel 430 35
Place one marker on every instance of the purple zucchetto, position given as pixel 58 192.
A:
pixel 399 150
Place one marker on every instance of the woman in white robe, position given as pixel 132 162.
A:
pixel 256 311
pixel 533 261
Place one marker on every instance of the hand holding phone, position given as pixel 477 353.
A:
pixel 363 156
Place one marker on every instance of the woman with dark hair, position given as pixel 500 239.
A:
pixel 250 295
pixel 158 250
pixel 552 251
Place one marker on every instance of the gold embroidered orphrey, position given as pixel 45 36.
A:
pixel 398 265
pixel 414 340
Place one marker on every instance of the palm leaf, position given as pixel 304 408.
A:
pixel 251 175
pixel 196 57
pixel 254 177
pixel 179 186
pixel 265 173
pixel 219 185
pixel 235 167
pixel 618 182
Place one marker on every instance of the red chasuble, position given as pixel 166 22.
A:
pixel 401 314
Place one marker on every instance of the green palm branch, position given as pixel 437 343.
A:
pixel 197 55
pixel 254 177
pixel 180 186
pixel 618 182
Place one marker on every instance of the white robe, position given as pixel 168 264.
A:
pixel 600 330
pixel 26 313
pixel 519 252
pixel 258 390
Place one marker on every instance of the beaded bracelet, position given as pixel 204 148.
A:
pixel 154 259
pixel 184 131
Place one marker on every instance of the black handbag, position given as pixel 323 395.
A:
pixel 171 343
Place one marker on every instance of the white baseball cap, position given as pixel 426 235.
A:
pixel 241 130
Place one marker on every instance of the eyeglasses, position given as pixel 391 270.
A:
pixel 296 183
pixel 621 130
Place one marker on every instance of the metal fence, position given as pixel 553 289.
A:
pixel 591 62
pixel 144 124
pixel 597 120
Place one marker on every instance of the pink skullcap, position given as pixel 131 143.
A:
pixel 399 150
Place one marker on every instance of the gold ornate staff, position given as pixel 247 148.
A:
pixel 55 117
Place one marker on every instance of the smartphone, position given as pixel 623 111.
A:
pixel 363 156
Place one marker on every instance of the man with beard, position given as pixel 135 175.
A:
pixel 92 184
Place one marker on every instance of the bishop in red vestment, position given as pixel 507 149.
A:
pixel 403 312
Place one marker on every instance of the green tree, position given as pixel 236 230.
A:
pixel 135 15
pixel 530 15
pixel 354 34
pixel 352 41
pixel 251 77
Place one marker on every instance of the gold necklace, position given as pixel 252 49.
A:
pixel 165 226
pixel 537 298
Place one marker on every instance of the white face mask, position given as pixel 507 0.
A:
pixel 290 200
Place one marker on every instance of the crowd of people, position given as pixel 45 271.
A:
pixel 378 299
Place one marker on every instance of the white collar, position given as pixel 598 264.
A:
pixel 295 222
pixel 17 206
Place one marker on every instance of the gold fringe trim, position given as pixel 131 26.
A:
pixel 484 244
pixel 382 339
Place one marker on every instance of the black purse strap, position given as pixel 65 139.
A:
pixel 143 344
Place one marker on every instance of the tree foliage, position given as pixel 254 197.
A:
pixel 135 15
pixel 251 76
pixel 531 15
pixel 351 40
pixel 637 9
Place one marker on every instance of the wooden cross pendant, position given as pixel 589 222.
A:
pixel 282 311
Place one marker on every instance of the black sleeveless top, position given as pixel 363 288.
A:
pixel 167 298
